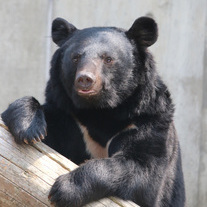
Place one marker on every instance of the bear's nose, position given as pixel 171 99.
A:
pixel 84 81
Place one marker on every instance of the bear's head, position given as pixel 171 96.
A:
pixel 100 67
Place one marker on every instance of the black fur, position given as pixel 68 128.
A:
pixel 104 82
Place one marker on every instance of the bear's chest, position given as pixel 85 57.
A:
pixel 98 133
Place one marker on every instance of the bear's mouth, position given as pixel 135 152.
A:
pixel 86 93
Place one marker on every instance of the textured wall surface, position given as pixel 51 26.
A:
pixel 23 26
pixel 180 53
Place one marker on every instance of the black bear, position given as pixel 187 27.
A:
pixel 105 101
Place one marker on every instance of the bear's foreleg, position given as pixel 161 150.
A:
pixel 25 120
pixel 132 172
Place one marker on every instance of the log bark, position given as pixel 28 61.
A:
pixel 27 173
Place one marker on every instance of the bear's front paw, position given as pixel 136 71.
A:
pixel 36 131
pixel 25 120
pixel 65 192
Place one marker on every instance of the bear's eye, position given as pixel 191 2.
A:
pixel 108 59
pixel 76 58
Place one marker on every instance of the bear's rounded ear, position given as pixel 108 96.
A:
pixel 61 31
pixel 144 31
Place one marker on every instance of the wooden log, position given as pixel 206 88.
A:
pixel 27 173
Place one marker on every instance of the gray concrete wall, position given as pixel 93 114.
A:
pixel 203 142
pixel 180 53
pixel 23 37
